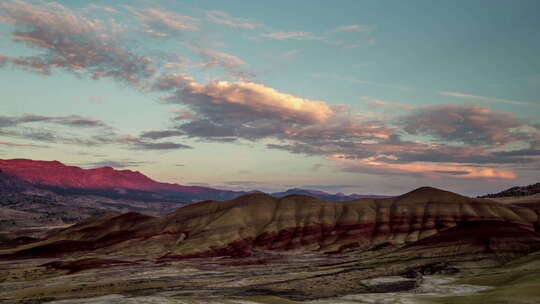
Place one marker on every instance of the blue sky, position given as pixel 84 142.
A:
pixel 351 96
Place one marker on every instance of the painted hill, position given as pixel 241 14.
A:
pixel 258 222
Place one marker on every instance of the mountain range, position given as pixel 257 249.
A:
pixel 109 182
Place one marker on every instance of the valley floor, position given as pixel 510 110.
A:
pixel 287 279
pixel 433 286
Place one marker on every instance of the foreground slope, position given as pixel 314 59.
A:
pixel 259 222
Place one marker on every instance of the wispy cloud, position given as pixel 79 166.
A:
pixel 70 120
pixel 33 127
pixel 351 28
pixel 161 23
pixel 223 18
pixel 161 134
pixel 327 37
pixel 379 103
pixel 118 164
pixel 214 58
pixel 349 45
pixel 292 35
pixel 141 144
pixel 487 99
pixel 362 82
pixel 233 65
pixel 17 145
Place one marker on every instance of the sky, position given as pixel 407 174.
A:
pixel 370 97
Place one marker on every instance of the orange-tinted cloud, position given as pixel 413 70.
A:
pixel 238 98
pixel 428 169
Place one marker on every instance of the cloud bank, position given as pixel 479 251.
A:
pixel 448 140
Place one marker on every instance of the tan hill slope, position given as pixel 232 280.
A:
pixel 296 223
